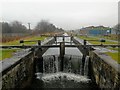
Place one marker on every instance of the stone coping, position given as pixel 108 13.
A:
pixel 106 58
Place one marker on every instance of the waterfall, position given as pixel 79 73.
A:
pixel 75 69
pixel 86 68
pixel 72 64
pixel 71 77
pixel 50 64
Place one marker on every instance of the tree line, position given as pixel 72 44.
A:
pixel 44 26
pixel 14 27
pixel 17 27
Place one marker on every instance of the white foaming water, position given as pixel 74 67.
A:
pixel 62 80
pixel 64 76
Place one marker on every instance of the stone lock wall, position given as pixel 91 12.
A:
pixel 18 71
pixel 105 70
pixel 20 75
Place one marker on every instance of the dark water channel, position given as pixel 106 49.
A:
pixel 75 74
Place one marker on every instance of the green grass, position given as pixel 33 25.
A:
pixel 112 37
pixel 96 42
pixel 88 38
pixel 16 42
pixel 114 56
pixel 7 53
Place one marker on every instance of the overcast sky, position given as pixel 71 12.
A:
pixel 66 14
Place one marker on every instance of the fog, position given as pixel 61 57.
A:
pixel 66 14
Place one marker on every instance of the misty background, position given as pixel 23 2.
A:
pixel 69 15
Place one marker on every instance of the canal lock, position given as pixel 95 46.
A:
pixel 63 71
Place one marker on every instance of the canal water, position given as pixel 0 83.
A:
pixel 74 75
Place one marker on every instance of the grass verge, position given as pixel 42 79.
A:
pixel 16 42
pixel 7 53
pixel 97 40
pixel 114 56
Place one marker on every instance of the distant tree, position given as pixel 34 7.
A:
pixel 6 28
pixel 17 27
pixel 116 28
pixel 44 26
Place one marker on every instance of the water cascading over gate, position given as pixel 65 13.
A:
pixel 72 64
pixel 71 77
pixel 63 70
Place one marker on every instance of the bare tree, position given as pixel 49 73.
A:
pixel 6 27
pixel 42 26
pixel 17 27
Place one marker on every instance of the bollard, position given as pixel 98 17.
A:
pixel 22 41
pixel 102 40
pixel 62 53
